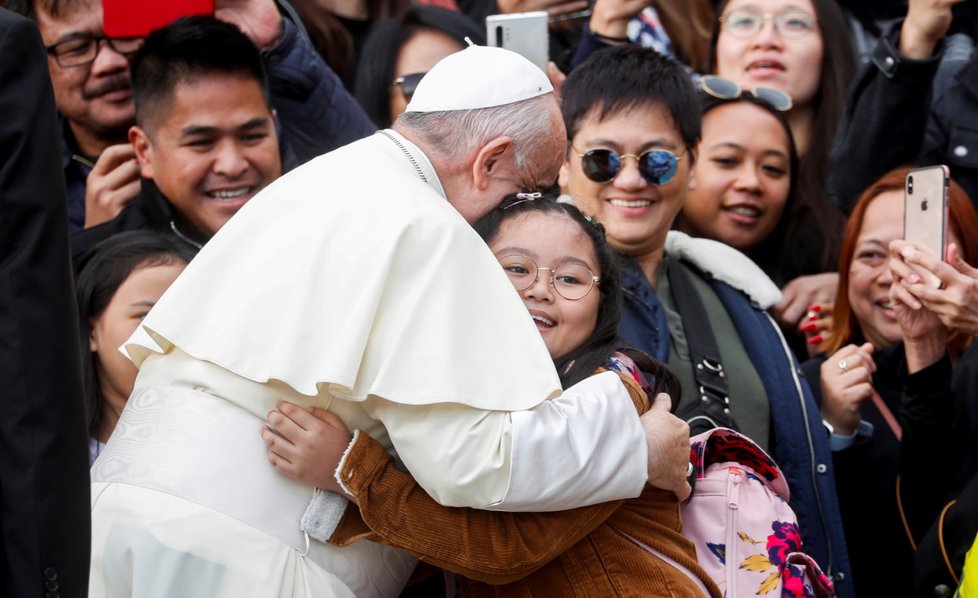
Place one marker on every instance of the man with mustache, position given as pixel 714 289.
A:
pixel 90 75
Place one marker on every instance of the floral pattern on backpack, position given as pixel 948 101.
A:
pixel 746 535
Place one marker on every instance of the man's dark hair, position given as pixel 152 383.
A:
pixel 186 49
pixel 619 79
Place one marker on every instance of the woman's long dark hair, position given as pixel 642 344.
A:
pixel 375 73
pixel 604 340
pixel 104 269
pixel 838 66
pixel 787 252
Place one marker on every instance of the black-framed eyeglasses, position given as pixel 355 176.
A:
pixel 570 281
pixel 728 89
pixel 409 83
pixel 793 23
pixel 657 166
pixel 83 49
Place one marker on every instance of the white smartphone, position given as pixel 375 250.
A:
pixel 925 212
pixel 524 33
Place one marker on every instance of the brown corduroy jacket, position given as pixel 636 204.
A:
pixel 582 552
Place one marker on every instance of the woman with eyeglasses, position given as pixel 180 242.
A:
pixel 566 274
pixel 747 196
pixel 802 48
pixel 400 51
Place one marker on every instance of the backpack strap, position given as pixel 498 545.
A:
pixel 710 408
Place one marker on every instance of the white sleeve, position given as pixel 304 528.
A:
pixel 587 446
pixel 584 447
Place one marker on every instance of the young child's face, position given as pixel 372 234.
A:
pixel 555 243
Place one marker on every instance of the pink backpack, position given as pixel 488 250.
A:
pixel 746 535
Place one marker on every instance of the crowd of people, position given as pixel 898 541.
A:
pixel 345 303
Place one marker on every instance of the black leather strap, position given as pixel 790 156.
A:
pixel 710 407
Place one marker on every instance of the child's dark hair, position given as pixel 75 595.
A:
pixel 105 268
pixel 604 340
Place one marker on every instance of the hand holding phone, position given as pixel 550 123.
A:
pixel 524 33
pixel 925 213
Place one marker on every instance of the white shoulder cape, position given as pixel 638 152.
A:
pixel 349 275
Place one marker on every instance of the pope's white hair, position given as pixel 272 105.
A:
pixel 456 133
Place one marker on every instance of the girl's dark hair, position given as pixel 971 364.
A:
pixel 604 340
pixel 375 73
pixel 838 66
pixel 105 267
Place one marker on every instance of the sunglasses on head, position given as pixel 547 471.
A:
pixel 409 83
pixel 728 89
pixel 657 166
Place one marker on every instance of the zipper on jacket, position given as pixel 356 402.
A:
pixel 811 444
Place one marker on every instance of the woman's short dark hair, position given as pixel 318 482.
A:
pixel 604 340
pixel 618 79
pixel 375 72
pixel 106 266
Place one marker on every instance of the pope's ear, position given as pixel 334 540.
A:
pixel 143 147
pixel 489 160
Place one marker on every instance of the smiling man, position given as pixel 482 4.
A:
pixel 205 139
pixel 91 80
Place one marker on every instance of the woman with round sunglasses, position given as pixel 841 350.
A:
pixel 633 122
pixel 746 196
pixel 400 51
pixel 592 551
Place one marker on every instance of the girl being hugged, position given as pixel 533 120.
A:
pixel 567 276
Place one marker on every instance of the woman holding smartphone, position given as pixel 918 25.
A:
pixel 870 406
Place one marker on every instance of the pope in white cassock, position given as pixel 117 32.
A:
pixel 356 284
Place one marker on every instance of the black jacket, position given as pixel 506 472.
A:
pixel 44 487
pixel 903 111
pixel 151 211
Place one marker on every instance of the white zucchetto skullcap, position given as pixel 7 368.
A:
pixel 478 77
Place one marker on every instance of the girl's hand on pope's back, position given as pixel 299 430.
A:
pixel 306 444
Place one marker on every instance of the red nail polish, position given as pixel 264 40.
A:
pixel 815 307
pixel 814 340
pixel 812 316
pixel 808 327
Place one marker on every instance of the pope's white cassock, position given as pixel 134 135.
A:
pixel 350 284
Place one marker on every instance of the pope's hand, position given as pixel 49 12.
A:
pixel 668 440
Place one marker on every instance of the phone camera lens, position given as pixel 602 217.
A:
pixel 910 185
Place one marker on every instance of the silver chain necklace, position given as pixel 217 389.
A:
pixel 414 162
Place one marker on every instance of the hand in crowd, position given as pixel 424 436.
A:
pixel 556 76
pixel 306 445
pixel 926 25
pixel 610 17
pixel 847 381
pixel 112 185
pixel 955 303
pixel 260 20
pixel 553 7
pixel 668 441
pixel 801 297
